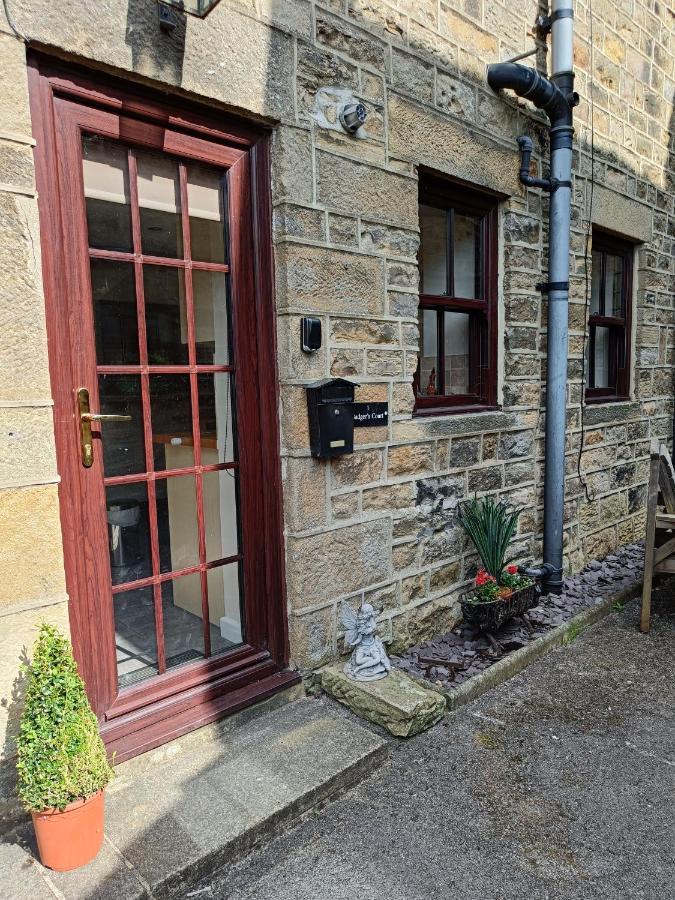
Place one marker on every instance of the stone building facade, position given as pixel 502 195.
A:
pixel 379 523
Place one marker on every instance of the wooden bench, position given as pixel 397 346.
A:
pixel 660 537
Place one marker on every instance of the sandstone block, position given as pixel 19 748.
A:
pixel 396 702
pixel 362 467
pixel 515 444
pixel 312 638
pixel 422 622
pixel 486 479
pixel 390 241
pixel 410 459
pixel 31 562
pixel 411 74
pixel 432 139
pixel 319 279
pixel 343 230
pixel 389 496
pixel 305 492
pixel 343 184
pixel 384 362
pixel 346 362
pixel 292 164
pixel 363 331
pixel 351 41
pixel 291 220
pixel 345 506
pixel 325 566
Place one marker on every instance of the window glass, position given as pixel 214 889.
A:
pixel 596 281
pixel 433 250
pixel 601 357
pixel 466 260
pixel 428 364
pixel 613 285
pixel 456 352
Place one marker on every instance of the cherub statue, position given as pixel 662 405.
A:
pixel 369 661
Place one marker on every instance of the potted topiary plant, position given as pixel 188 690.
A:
pixel 500 592
pixel 62 765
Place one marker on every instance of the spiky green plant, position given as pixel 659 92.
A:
pixel 490 525
pixel 60 755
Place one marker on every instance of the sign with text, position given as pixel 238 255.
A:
pixel 370 415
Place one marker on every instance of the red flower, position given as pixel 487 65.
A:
pixel 483 578
pixel 512 570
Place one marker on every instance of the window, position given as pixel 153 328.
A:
pixel 608 350
pixel 457 311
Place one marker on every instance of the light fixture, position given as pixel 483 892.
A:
pixel 199 8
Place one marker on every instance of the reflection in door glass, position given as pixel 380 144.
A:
pixel 106 189
pixel 115 318
pixel 128 532
pixel 159 205
pixel 224 603
pixel 216 398
pixel 165 316
pixel 210 303
pixel 220 514
pixel 205 205
pixel 177 522
pixel 122 443
pixel 135 636
pixel 170 409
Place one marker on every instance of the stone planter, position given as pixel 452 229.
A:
pixel 491 616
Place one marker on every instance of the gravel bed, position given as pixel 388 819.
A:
pixel 452 658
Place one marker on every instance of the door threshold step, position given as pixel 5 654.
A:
pixel 192 811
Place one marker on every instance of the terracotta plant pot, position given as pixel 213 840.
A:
pixel 72 838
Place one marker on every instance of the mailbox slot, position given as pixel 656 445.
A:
pixel 330 409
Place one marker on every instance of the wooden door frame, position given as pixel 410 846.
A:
pixel 185 699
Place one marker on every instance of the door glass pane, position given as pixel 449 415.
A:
pixel 456 350
pixel 613 285
pixel 177 523
pixel 135 638
pixel 205 205
pixel 215 417
pixel 596 277
pixel 220 514
pixel 165 315
pixel 128 532
pixel 428 364
pixel 466 260
pixel 123 442
pixel 171 415
pixel 159 204
pixel 225 606
pixel 210 305
pixel 106 189
pixel 601 358
pixel 115 320
pixel 433 250
pixel 183 623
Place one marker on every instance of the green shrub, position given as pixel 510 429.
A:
pixel 61 756
pixel 490 525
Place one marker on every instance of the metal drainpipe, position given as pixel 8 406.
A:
pixel 557 98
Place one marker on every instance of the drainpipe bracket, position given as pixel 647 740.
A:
pixel 545 287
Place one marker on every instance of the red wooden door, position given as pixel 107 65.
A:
pixel 158 283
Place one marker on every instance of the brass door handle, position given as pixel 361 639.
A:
pixel 98 417
pixel 86 418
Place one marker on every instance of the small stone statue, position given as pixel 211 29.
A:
pixel 369 661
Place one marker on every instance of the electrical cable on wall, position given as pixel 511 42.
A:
pixel 587 242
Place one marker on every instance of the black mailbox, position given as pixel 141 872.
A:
pixel 330 408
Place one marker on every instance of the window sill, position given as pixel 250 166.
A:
pixel 443 411
pixel 612 398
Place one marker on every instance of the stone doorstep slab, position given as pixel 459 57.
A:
pixel 515 662
pixel 402 706
pixel 199 810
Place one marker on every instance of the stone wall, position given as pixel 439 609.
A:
pixel 379 523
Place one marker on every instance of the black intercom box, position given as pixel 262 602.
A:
pixel 330 408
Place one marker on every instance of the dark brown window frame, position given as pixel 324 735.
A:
pixel 466 200
pixel 620 328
